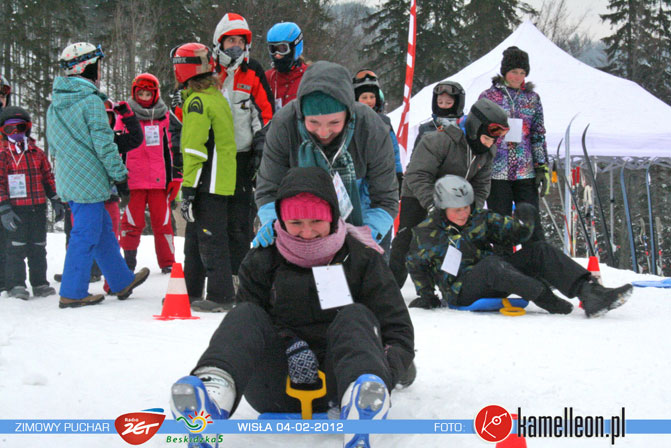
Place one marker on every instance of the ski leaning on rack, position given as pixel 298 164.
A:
pixel 581 218
pixel 643 238
pixel 627 214
pixel 609 246
pixel 659 238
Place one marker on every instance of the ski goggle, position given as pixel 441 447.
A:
pixel 496 130
pixel 97 53
pixel 281 48
pixel 16 128
pixel 5 90
pixel 364 74
pixel 197 60
pixel 447 88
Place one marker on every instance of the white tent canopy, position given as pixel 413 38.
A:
pixel 625 120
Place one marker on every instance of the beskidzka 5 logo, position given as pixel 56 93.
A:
pixel 138 427
pixel 493 423
pixel 196 423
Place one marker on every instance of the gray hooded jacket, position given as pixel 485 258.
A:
pixel 371 147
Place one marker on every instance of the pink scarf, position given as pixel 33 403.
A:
pixel 319 251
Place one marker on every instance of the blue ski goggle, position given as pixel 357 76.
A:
pixel 97 53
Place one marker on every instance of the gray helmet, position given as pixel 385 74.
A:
pixel 483 113
pixel 452 191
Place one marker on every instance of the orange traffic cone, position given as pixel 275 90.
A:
pixel 593 268
pixel 513 440
pixel 176 303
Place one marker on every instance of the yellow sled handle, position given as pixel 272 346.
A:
pixel 307 396
pixel 509 310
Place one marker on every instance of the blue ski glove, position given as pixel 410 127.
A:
pixel 265 236
pixel 379 221
pixel 302 363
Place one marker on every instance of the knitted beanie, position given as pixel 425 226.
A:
pixel 320 103
pixel 514 58
pixel 305 206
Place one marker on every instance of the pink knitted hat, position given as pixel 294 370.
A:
pixel 305 206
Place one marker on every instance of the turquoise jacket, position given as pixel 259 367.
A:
pixel 87 161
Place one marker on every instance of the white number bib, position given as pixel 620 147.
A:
pixel 332 286
pixel 344 202
pixel 452 261
pixel 17 186
pixel 152 136
pixel 515 133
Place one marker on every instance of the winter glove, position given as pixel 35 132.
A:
pixel 543 179
pixel 173 189
pixel 525 213
pixel 399 178
pixel 265 236
pixel 427 302
pixel 302 363
pixel 59 208
pixel 10 220
pixel 188 196
pixel 123 109
pixel 176 100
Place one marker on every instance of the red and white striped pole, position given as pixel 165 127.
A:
pixel 402 133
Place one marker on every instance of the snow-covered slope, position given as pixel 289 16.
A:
pixel 102 361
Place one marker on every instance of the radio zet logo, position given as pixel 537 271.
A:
pixel 138 427
pixel 493 423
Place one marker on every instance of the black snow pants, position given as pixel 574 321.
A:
pixel 247 346
pixel 521 273
pixel 240 217
pixel 28 241
pixel 206 250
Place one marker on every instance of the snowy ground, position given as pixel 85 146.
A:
pixel 102 361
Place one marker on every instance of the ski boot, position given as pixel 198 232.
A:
pixel 553 304
pixel 367 398
pixel 211 394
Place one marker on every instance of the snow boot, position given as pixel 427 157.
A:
pixel 91 299
pixel 140 277
pixel 553 304
pixel 19 292
pixel 425 302
pixel 58 277
pixel 211 392
pixel 210 306
pixel 598 300
pixel 367 398
pixel 131 259
pixel 166 270
pixel 408 376
pixel 43 291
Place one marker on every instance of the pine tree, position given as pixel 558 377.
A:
pixel 387 51
pixel 441 49
pixel 490 22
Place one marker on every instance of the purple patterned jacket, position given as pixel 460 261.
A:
pixel 516 161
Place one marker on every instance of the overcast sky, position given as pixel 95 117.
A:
pixel 593 24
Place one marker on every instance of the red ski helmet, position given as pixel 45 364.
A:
pixel 191 60
pixel 149 82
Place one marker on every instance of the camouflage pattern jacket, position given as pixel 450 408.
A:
pixel 474 240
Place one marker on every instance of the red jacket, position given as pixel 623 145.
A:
pixel 250 99
pixel 285 85
pixel 34 165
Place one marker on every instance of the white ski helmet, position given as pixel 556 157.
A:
pixel 231 24
pixel 452 191
pixel 75 57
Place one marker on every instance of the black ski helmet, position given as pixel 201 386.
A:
pixel 482 114
pixel 11 112
pixel 457 92
pixel 366 81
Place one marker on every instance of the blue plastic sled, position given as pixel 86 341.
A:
pixel 489 305
pixel 291 416
pixel 666 283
